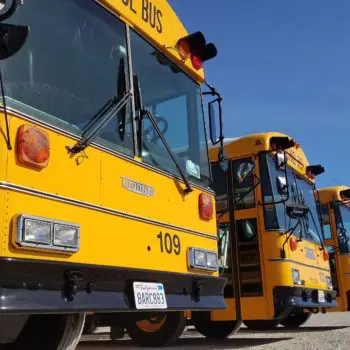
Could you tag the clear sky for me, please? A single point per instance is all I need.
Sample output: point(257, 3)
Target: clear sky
point(283, 65)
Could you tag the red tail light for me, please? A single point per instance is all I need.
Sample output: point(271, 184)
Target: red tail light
point(33, 147)
point(206, 208)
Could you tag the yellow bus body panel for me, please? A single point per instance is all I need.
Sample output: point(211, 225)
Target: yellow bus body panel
point(118, 227)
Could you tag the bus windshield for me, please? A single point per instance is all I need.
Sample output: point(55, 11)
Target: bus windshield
point(275, 199)
point(175, 101)
point(69, 68)
point(342, 214)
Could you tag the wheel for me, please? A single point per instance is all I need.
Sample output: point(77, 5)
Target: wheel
point(50, 332)
point(261, 325)
point(213, 329)
point(159, 331)
point(117, 332)
point(295, 320)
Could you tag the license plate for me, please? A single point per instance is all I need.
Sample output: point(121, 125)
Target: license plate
point(149, 296)
point(321, 297)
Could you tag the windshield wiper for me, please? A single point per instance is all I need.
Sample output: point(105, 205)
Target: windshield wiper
point(105, 114)
point(146, 113)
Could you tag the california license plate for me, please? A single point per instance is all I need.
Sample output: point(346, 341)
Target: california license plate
point(321, 297)
point(149, 296)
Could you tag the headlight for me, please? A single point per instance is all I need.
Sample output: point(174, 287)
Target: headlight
point(43, 233)
point(37, 232)
point(329, 282)
point(65, 236)
point(201, 259)
point(296, 276)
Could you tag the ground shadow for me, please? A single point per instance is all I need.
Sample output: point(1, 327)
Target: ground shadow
point(294, 330)
point(187, 343)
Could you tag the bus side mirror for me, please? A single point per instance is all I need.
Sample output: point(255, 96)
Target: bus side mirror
point(296, 211)
point(12, 39)
point(213, 121)
point(244, 171)
point(282, 185)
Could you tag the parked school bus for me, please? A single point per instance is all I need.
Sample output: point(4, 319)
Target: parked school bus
point(271, 245)
point(335, 210)
point(100, 211)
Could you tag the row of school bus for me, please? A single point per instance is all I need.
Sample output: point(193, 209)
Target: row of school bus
point(107, 194)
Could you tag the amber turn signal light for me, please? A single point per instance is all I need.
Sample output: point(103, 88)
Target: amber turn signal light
point(33, 147)
point(293, 243)
point(325, 254)
point(206, 209)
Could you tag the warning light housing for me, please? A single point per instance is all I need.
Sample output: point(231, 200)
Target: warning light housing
point(206, 208)
point(194, 46)
point(33, 147)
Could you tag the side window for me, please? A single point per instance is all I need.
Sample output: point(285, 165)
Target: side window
point(324, 209)
point(242, 188)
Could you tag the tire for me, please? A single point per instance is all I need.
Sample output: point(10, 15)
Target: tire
point(213, 329)
point(50, 332)
point(117, 332)
point(295, 320)
point(261, 325)
point(160, 331)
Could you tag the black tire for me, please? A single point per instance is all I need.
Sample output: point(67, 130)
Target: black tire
point(50, 332)
point(117, 332)
point(171, 326)
point(295, 320)
point(261, 325)
point(213, 329)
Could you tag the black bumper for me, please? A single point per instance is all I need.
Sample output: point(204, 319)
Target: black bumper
point(29, 286)
point(289, 298)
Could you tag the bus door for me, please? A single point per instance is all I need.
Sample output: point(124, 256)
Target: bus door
point(330, 243)
point(248, 238)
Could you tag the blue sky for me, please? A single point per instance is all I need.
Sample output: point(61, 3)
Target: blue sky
point(283, 65)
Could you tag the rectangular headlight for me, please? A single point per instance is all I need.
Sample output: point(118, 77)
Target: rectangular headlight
point(36, 231)
point(201, 259)
point(212, 260)
point(329, 282)
point(296, 276)
point(66, 236)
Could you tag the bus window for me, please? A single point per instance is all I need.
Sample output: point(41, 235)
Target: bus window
point(242, 189)
point(325, 221)
point(88, 44)
point(342, 216)
point(270, 215)
point(175, 100)
point(299, 191)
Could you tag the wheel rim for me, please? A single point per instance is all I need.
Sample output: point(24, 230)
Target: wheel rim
point(152, 324)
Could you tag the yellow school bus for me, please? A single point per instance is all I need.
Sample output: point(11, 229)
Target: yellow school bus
point(105, 186)
point(335, 211)
point(271, 245)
